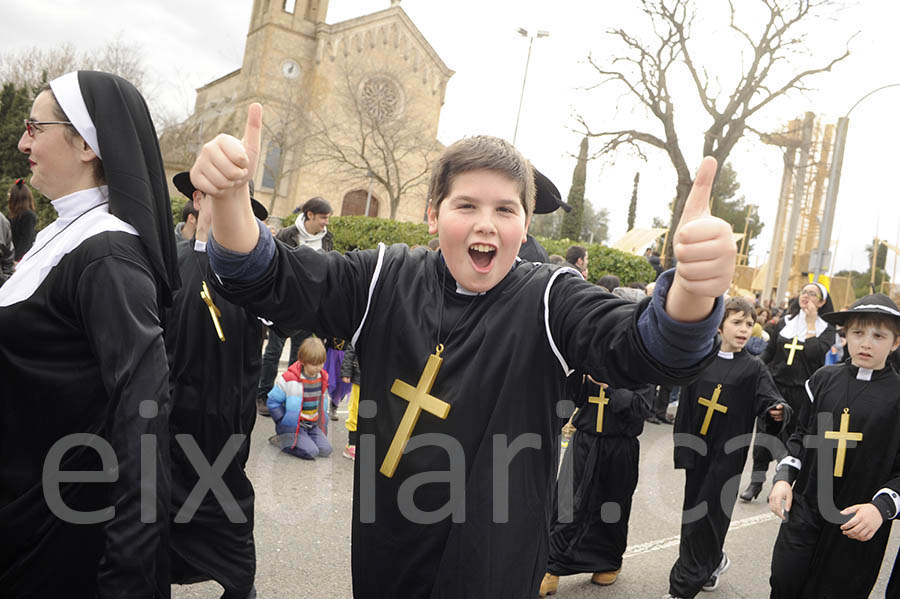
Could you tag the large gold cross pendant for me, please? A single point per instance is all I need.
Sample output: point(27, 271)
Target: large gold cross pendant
point(712, 405)
point(842, 436)
point(419, 400)
point(601, 401)
point(793, 346)
point(213, 310)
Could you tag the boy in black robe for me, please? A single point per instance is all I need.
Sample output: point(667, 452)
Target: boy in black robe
point(597, 479)
point(452, 510)
point(844, 464)
point(715, 412)
point(213, 381)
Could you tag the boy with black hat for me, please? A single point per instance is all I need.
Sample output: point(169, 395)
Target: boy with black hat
point(822, 550)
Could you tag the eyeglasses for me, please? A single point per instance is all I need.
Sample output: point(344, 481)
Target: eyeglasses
point(810, 293)
point(32, 126)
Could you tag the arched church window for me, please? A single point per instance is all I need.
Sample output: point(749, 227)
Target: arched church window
point(381, 98)
point(355, 203)
point(271, 165)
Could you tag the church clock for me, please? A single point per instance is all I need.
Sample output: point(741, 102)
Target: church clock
point(290, 69)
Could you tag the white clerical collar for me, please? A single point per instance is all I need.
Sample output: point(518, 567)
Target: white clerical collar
point(864, 374)
point(72, 206)
point(795, 326)
point(726, 355)
point(199, 246)
point(463, 291)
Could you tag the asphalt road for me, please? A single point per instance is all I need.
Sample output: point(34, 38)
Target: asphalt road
point(303, 514)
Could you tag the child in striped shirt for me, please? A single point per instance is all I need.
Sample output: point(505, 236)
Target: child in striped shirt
point(297, 404)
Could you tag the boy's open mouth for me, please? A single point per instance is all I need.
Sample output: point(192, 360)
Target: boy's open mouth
point(482, 256)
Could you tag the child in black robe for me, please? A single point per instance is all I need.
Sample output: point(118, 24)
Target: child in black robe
point(596, 482)
point(844, 464)
point(712, 430)
point(464, 430)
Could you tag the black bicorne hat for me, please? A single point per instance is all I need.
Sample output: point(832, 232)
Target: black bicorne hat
point(877, 303)
point(183, 184)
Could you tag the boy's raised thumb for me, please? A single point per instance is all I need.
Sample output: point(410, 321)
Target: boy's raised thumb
point(697, 204)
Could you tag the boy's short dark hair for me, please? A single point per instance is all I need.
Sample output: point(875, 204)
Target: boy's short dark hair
point(189, 209)
point(316, 205)
point(477, 153)
point(877, 320)
point(312, 351)
point(575, 253)
point(738, 304)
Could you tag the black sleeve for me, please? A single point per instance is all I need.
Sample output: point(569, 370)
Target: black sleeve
point(633, 404)
point(815, 348)
point(771, 347)
point(116, 301)
point(767, 397)
point(303, 289)
point(349, 364)
point(597, 333)
point(805, 426)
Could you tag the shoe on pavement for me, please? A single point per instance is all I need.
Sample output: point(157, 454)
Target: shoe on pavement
point(549, 585)
point(333, 415)
point(713, 583)
point(349, 452)
point(653, 420)
point(261, 408)
point(668, 596)
point(605, 579)
point(751, 492)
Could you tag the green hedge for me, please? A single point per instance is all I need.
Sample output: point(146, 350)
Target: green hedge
point(604, 260)
point(360, 232)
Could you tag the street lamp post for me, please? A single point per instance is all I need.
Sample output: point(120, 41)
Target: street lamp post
point(834, 180)
point(524, 33)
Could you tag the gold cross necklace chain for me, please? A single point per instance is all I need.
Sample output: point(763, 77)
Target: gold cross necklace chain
point(419, 397)
point(206, 296)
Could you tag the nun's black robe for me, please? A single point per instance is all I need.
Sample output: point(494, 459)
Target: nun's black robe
point(713, 461)
point(414, 534)
point(213, 397)
point(599, 473)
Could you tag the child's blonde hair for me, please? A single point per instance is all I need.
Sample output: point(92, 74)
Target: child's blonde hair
point(312, 351)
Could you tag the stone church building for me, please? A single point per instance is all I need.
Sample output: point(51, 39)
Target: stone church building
point(350, 109)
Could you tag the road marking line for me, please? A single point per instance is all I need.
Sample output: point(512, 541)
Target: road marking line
point(658, 544)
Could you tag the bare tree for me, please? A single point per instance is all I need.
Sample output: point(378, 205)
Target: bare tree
point(643, 70)
point(286, 125)
point(370, 135)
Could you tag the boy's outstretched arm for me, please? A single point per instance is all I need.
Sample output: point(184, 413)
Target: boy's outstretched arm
point(223, 170)
point(705, 249)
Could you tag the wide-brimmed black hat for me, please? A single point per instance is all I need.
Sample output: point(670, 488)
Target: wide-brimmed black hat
point(546, 196)
point(183, 184)
point(877, 303)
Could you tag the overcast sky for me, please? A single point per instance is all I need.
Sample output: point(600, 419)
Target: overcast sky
point(187, 43)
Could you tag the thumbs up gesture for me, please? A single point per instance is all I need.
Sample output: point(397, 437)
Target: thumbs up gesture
point(705, 249)
point(222, 170)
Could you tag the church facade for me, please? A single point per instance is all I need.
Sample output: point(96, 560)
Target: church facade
point(351, 110)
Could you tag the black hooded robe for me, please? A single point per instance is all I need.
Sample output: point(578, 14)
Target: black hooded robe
point(82, 359)
point(213, 387)
point(812, 558)
point(504, 367)
point(597, 479)
point(748, 392)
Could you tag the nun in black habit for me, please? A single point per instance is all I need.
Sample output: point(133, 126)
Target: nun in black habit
point(83, 423)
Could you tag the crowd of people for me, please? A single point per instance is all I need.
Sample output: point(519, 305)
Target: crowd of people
point(134, 373)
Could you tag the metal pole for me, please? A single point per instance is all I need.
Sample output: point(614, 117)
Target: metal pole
point(522, 94)
point(834, 183)
point(875, 248)
point(799, 184)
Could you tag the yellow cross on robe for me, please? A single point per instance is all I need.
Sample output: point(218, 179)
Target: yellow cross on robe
point(419, 400)
point(213, 310)
point(793, 346)
point(842, 436)
point(601, 401)
point(712, 405)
